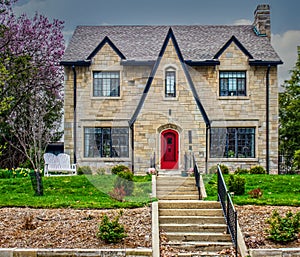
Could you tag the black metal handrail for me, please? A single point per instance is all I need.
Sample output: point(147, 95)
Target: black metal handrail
point(197, 180)
point(228, 209)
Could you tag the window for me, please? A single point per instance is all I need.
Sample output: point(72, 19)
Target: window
point(232, 143)
point(232, 83)
point(170, 84)
point(106, 142)
point(106, 83)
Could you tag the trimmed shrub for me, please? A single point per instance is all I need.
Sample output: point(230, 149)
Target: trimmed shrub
point(125, 180)
point(257, 170)
point(240, 171)
point(224, 169)
point(84, 170)
point(111, 231)
point(283, 229)
point(119, 168)
point(236, 184)
point(255, 193)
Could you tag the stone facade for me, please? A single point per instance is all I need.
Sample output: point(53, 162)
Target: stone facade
point(180, 113)
point(196, 56)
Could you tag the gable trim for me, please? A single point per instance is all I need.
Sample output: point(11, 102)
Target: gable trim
point(106, 40)
point(169, 36)
point(238, 43)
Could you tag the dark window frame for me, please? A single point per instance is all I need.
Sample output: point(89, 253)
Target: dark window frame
point(233, 142)
point(170, 83)
point(106, 142)
point(106, 83)
point(232, 83)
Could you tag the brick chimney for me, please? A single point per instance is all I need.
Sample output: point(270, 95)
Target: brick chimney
point(262, 21)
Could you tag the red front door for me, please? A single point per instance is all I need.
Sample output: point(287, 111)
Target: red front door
point(169, 149)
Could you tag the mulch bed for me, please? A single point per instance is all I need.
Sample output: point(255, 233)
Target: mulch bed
point(69, 228)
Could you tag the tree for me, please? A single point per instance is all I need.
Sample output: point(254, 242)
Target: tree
point(289, 115)
point(32, 85)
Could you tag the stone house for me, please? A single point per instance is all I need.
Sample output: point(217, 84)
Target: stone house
point(164, 95)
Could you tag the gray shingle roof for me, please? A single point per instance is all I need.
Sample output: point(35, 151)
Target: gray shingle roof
point(196, 42)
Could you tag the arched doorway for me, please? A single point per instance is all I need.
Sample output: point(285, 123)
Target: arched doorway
point(169, 149)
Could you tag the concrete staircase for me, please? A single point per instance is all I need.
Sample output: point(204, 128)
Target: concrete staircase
point(192, 226)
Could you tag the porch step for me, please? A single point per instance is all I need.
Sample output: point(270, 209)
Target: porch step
point(219, 228)
point(193, 227)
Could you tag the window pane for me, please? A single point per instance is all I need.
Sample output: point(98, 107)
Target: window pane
point(106, 142)
point(232, 143)
point(232, 83)
point(170, 87)
point(106, 83)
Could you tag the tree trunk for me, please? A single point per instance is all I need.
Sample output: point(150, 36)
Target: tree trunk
point(37, 183)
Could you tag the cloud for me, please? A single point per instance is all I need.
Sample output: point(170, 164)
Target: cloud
point(242, 22)
point(286, 46)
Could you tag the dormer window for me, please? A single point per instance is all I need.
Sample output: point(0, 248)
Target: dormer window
point(232, 83)
point(170, 83)
point(106, 83)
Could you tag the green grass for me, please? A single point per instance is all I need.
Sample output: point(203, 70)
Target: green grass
point(277, 189)
point(72, 192)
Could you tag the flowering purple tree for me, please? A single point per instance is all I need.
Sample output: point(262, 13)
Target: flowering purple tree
point(31, 50)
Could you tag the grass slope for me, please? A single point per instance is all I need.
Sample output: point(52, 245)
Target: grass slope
point(277, 189)
point(73, 192)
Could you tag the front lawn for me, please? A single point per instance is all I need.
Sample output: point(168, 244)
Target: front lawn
point(89, 191)
point(276, 189)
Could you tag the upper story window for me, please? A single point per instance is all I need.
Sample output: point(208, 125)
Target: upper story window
point(232, 83)
point(106, 83)
point(170, 83)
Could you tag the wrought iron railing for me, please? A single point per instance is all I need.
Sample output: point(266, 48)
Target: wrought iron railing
point(228, 209)
point(197, 180)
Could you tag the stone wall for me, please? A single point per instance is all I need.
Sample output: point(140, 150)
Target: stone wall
point(181, 113)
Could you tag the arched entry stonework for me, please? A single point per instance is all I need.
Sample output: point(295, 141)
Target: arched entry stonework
point(169, 147)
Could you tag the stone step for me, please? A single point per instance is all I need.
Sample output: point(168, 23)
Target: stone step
point(198, 236)
point(178, 188)
point(190, 212)
point(172, 181)
point(181, 204)
point(199, 253)
point(177, 197)
point(191, 220)
point(220, 228)
point(199, 246)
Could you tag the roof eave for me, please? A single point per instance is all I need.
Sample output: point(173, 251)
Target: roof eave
point(202, 63)
point(84, 63)
point(264, 63)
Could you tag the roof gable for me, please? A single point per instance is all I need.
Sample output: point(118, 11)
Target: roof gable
point(106, 40)
point(170, 36)
point(234, 40)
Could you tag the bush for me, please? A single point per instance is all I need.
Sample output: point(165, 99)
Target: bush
point(111, 231)
point(84, 170)
point(125, 180)
point(119, 168)
point(255, 193)
point(283, 229)
point(257, 170)
point(240, 171)
point(224, 169)
point(236, 184)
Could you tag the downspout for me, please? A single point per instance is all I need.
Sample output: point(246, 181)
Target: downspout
point(74, 111)
point(132, 147)
point(267, 120)
point(206, 150)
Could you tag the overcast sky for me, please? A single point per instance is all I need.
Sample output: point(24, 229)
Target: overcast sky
point(285, 17)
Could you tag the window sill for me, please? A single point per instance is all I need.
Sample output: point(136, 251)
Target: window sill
point(234, 159)
point(107, 159)
point(106, 97)
point(234, 98)
point(171, 98)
